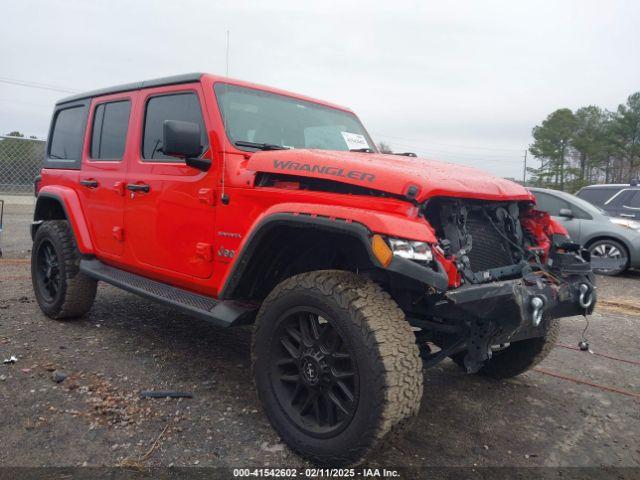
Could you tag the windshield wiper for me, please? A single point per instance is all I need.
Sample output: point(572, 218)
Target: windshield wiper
point(260, 146)
point(362, 150)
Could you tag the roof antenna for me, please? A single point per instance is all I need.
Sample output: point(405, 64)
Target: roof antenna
point(224, 198)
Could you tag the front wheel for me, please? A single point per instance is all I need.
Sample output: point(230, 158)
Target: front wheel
point(608, 248)
point(336, 365)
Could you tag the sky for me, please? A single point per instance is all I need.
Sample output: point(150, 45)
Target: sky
point(461, 81)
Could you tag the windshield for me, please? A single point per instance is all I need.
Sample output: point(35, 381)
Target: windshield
point(267, 119)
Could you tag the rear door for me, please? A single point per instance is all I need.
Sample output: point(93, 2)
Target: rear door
point(103, 173)
point(169, 214)
point(625, 204)
point(631, 206)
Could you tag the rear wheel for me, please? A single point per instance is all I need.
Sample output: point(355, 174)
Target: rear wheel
point(518, 357)
point(336, 365)
point(608, 248)
point(60, 289)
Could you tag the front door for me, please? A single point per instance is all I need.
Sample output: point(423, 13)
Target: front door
point(102, 175)
point(553, 205)
point(169, 214)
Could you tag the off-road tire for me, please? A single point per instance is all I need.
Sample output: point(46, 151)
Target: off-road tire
point(77, 291)
point(388, 362)
point(518, 357)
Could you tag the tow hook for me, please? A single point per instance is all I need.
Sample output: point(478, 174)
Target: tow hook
point(537, 304)
point(586, 296)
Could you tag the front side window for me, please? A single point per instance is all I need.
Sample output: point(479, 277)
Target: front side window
point(109, 133)
point(550, 204)
point(256, 116)
point(66, 137)
point(184, 107)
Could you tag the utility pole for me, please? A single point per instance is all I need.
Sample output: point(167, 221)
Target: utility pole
point(524, 170)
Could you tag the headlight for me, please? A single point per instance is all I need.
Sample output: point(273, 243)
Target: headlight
point(419, 251)
point(625, 222)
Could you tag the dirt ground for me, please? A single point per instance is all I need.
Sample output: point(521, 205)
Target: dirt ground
point(94, 417)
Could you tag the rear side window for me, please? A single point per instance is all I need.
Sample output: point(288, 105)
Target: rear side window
point(623, 197)
point(634, 202)
point(109, 132)
point(597, 196)
point(67, 134)
point(184, 107)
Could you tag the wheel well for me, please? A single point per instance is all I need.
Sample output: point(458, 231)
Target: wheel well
point(287, 250)
point(47, 208)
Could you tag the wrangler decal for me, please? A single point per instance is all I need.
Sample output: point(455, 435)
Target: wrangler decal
point(325, 170)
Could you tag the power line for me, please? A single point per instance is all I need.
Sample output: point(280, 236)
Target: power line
point(462, 156)
point(42, 86)
point(467, 147)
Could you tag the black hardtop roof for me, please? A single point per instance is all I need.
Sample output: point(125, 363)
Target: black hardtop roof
point(156, 82)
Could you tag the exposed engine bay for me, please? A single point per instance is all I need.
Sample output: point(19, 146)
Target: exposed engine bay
point(514, 275)
point(486, 240)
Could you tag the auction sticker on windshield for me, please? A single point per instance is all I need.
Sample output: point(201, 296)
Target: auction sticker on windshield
point(355, 141)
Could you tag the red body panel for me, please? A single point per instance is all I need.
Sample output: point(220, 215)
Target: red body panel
point(175, 232)
point(73, 208)
point(391, 173)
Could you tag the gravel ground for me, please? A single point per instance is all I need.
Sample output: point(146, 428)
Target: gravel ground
point(126, 344)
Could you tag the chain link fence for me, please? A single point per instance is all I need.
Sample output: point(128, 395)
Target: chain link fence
point(20, 162)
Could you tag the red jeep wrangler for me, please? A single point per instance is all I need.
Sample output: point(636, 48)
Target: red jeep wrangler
point(243, 204)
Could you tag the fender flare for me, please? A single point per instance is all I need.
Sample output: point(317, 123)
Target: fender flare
point(70, 203)
point(359, 223)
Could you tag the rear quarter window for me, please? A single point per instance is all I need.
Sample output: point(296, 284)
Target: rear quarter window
point(66, 137)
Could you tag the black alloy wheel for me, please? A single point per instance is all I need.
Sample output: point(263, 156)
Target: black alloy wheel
point(61, 290)
point(336, 366)
point(48, 271)
point(314, 376)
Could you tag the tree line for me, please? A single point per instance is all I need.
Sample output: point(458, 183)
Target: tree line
point(590, 145)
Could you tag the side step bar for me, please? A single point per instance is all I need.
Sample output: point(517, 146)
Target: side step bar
point(223, 313)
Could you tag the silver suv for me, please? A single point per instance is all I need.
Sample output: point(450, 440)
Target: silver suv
point(620, 200)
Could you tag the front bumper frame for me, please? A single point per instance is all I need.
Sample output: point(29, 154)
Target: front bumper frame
point(503, 312)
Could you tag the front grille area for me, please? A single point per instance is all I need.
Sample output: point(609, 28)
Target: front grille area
point(489, 249)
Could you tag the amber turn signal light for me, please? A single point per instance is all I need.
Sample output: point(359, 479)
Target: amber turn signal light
point(381, 250)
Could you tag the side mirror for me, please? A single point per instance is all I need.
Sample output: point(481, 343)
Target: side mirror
point(565, 212)
point(182, 140)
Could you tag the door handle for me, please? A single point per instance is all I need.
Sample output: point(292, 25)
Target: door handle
point(89, 183)
point(138, 187)
point(628, 215)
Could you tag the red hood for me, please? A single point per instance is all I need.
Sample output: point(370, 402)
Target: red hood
point(390, 173)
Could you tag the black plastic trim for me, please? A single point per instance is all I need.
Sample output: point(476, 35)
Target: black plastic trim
point(400, 266)
point(221, 314)
point(424, 274)
point(156, 82)
point(37, 222)
point(296, 220)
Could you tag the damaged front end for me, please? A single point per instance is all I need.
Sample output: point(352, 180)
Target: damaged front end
point(511, 271)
